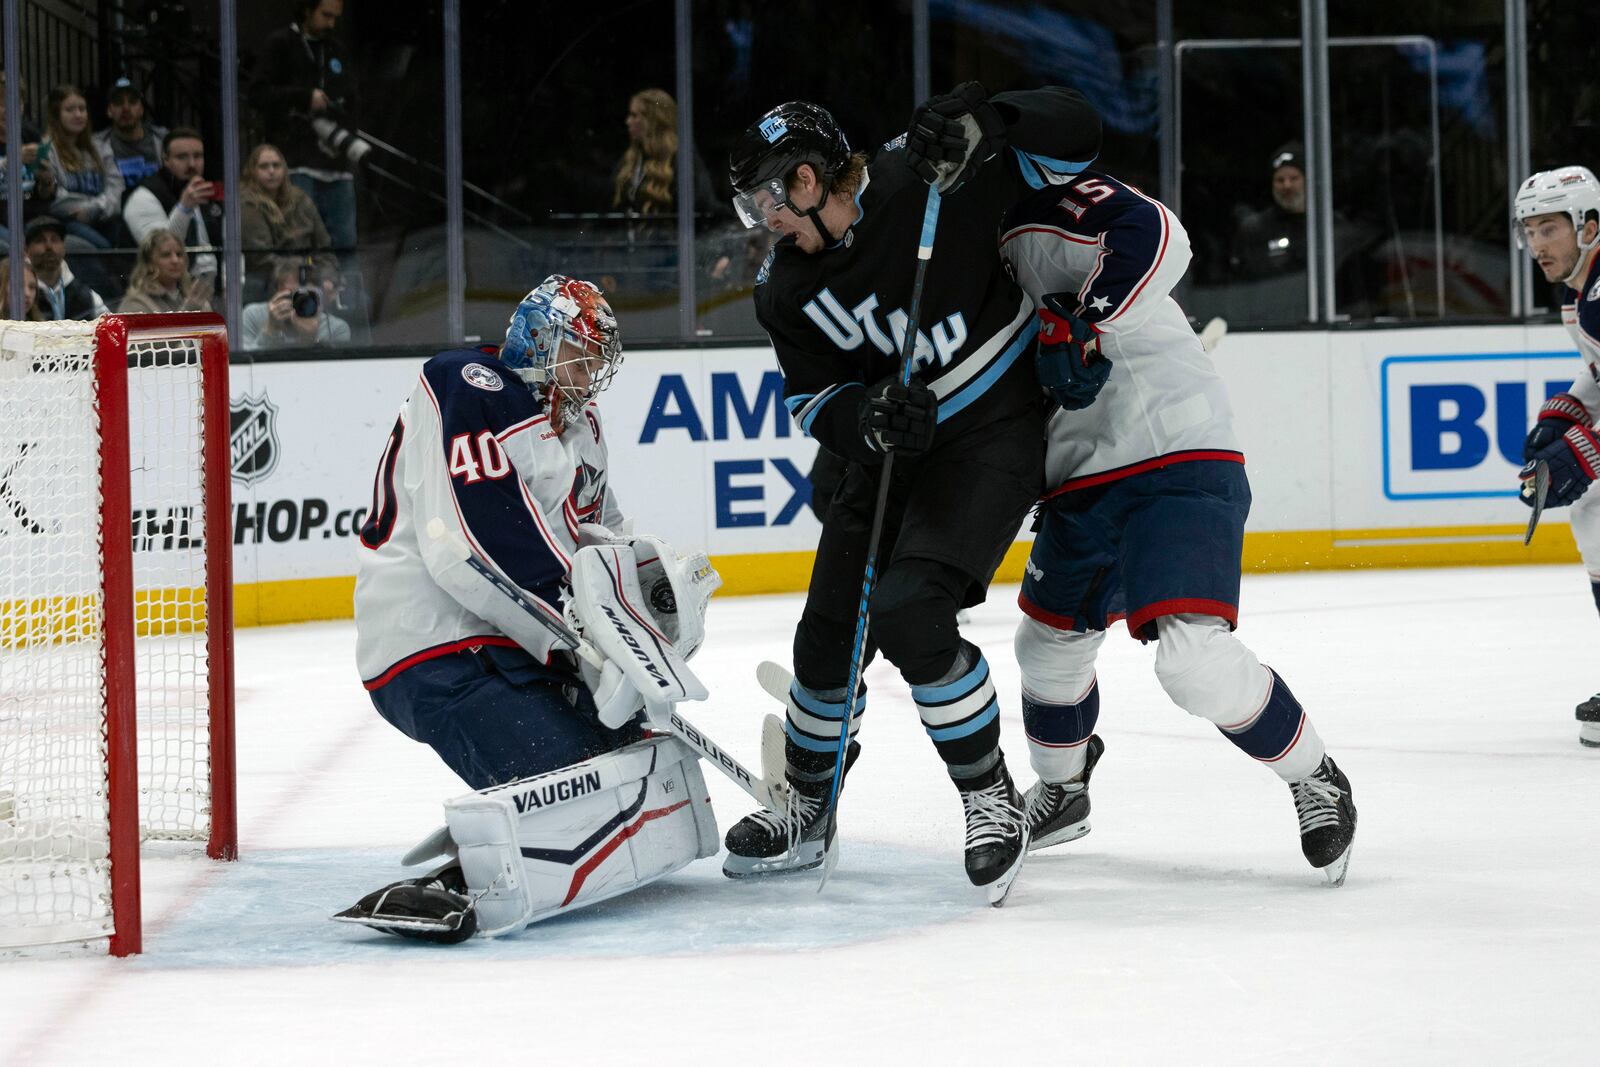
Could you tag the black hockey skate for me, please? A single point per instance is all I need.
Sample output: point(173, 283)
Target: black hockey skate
point(1060, 813)
point(997, 831)
point(1327, 812)
point(787, 842)
point(435, 908)
point(1589, 722)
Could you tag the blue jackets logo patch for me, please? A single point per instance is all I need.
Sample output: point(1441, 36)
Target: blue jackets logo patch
point(478, 375)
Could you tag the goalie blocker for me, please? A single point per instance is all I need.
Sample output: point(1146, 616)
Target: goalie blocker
point(546, 845)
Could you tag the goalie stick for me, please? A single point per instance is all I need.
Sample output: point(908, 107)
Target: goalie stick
point(769, 794)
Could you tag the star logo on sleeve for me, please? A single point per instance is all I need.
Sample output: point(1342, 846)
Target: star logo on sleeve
point(1099, 303)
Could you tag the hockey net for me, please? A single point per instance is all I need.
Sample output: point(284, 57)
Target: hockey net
point(115, 615)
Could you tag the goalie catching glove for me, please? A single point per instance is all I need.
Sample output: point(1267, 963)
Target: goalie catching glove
point(643, 609)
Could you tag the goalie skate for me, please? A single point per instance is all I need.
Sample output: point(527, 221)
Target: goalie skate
point(1327, 813)
point(434, 908)
point(1589, 722)
point(1059, 812)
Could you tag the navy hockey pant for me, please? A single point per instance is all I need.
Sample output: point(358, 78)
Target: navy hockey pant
point(492, 723)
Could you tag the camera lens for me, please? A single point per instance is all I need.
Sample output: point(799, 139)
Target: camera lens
point(306, 302)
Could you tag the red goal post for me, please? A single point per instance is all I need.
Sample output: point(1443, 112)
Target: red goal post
point(116, 616)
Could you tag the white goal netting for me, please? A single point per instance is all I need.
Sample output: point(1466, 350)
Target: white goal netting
point(54, 667)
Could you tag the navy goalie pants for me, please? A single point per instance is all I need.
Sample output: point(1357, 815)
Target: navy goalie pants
point(494, 715)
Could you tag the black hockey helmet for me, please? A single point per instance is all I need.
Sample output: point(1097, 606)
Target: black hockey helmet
point(766, 153)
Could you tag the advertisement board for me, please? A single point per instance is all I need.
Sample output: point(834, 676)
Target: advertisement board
point(1382, 447)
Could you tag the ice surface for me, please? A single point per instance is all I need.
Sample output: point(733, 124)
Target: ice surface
point(1186, 928)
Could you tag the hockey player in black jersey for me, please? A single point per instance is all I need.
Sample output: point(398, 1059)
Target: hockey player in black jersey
point(967, 431)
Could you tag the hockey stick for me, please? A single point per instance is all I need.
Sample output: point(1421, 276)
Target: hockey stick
point(769, 795)
point(1541, 490)
point(908, 348)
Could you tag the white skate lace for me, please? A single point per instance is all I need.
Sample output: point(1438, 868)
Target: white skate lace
point(1316, 802)
point(991, 817)
point(1047, 798)
point(788, 823)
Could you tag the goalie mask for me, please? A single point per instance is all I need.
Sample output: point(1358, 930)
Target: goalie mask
point(1571, 191)
point(563, 339)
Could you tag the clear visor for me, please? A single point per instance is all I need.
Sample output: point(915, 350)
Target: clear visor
point(1518, 236)
point(757, 206)
point(1520, 227)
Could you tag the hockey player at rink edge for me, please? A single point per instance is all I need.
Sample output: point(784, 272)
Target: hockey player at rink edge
point(573, 803)
point(1144, 515)
point(966, 433)
point(1556, 216)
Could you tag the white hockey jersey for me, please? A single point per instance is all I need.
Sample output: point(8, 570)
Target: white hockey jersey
point(473, 447)
point(1116, 254)
point(1580, 314)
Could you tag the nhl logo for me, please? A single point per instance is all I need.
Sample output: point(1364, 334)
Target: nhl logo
point(253, 438)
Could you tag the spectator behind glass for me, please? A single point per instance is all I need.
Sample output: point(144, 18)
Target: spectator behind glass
point(177, 198)
point(160, 283)
point(60, 294)
point(306, 92)
point(38, 180)
point(133, 144)
point(30, 293)
point(282, 322)
point(89, 199)
point(277, 217)
point(1272, 241)
point(645, 183)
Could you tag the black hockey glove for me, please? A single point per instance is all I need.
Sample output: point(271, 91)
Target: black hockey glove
point(951, 136)
point(1558, 413)
point(1574, 460)
point(1069, 362)
point(899, 418)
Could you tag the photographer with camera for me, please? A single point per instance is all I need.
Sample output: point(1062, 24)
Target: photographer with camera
point(306, 93)
point(297, 314)
point(178, 198)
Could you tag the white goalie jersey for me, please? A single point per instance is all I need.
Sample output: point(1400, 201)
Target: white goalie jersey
point(473, 447)
point(1116, 254)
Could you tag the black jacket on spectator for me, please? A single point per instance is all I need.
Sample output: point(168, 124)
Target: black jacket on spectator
point(291, 66)
point(168, 192)
point(79, 301)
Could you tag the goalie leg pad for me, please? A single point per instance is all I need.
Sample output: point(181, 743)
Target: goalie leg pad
point(551, 844)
